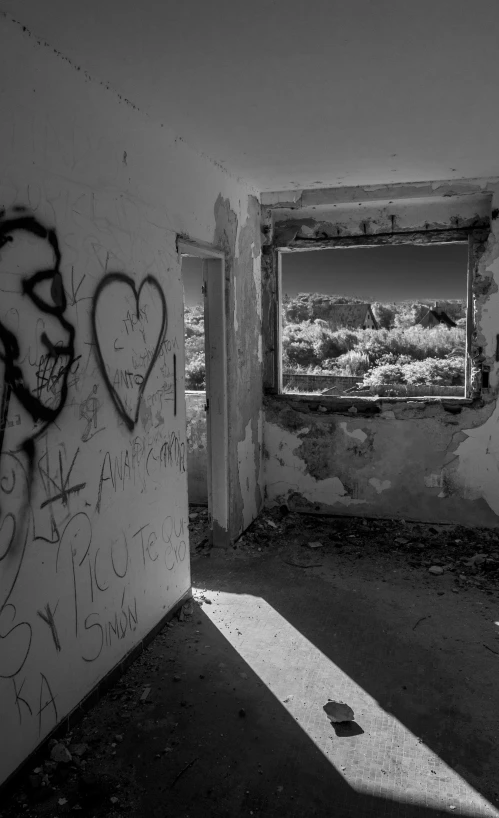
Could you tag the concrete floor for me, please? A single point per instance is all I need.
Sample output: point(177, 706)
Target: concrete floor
point(234, 725)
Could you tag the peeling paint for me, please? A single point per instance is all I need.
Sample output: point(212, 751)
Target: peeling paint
point(358, 434)
point(434, 480)
point(239, 237)
point(380, 485)
point(476, 466)
point(236, 323)
point(294, 476)
point(247, 475)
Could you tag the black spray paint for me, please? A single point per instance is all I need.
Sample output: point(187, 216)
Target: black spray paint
point(121, 278)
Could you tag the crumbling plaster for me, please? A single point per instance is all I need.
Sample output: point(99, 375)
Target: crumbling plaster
point(240, 241)
point(415, 459)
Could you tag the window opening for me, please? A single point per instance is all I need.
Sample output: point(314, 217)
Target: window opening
point(386, 321)
point(195, 369)
point(195, 381)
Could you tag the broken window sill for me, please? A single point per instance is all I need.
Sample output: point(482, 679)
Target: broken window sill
point(371, 405)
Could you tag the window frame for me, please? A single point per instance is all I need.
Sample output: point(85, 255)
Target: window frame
point(474, 236)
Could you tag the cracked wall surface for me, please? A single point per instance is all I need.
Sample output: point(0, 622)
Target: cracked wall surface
point(427, 460)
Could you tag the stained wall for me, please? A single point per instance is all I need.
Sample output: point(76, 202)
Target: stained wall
point(435, 460)
point(94, 546)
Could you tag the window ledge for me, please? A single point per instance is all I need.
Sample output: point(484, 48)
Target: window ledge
point(342, 403)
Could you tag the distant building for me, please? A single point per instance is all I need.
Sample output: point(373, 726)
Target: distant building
point(351, 316)
point(435, 317)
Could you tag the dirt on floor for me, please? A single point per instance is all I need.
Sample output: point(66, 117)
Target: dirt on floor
point(190, 730)
point(468, 557)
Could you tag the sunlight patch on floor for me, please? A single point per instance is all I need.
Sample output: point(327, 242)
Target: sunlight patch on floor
point(386, 759)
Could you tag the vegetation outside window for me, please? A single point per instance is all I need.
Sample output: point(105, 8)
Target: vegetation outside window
point(386, 321)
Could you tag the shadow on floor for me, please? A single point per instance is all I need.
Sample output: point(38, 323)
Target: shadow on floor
point(211, 740)
point(423, 690)
point(228, 762)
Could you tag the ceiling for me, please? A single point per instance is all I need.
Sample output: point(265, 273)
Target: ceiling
point(294, 94)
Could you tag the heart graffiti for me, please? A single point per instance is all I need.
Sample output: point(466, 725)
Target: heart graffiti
point(129, 326)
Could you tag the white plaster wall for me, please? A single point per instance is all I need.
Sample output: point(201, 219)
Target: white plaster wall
point(411, 460)
point(93, 527)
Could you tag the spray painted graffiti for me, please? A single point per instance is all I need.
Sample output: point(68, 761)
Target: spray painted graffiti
point(70, 588)
point(140, 326)
point(36, 361)
point(42, 392)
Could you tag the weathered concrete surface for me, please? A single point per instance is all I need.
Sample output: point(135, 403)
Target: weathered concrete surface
point(240, 241)
point(416, 462)
point(197, 450)
point(410, 459)
point(407, 462)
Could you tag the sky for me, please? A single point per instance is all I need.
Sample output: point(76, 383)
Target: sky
point(389, 273)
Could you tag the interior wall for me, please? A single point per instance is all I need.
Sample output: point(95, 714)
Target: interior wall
point(94, 545)
point(431, 460)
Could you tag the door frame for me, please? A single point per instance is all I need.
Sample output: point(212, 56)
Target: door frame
point(216, 385)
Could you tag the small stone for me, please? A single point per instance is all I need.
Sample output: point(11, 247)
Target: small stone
point(401, 540)
point(315, 545)
point(60, 754)
point(353, 410)
point(338, 712)
point(78, 749)
point(114, 799)
point(436, 569)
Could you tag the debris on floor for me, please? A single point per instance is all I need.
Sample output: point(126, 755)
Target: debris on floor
point(159, 731)
point(469, 557)
point(338, 712)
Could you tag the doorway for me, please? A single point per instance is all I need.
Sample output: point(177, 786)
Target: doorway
point(210, 412)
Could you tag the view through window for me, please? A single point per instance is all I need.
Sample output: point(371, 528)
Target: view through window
point(387, 320)
point(192, 276)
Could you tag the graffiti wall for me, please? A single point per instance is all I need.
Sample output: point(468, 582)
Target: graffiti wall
point(93, 528)
point(94, 547)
